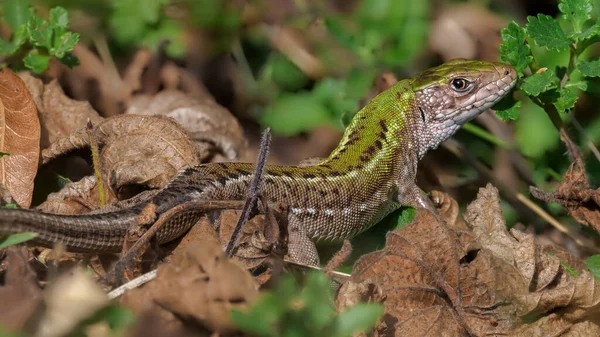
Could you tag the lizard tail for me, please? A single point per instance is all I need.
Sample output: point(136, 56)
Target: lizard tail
point(99, 233)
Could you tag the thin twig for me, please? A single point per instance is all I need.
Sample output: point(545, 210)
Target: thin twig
point(590, 144)
point(253, 191)
point(136, 282)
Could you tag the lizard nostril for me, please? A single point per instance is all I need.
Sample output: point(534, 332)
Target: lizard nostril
point(506, 72)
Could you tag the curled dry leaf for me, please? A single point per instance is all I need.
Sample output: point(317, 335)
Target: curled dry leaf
point(445, 281)
point(200, 285)
point(576, 195)
point(216, 134)
point(144, 150)
point(19, 137)
point(59, 115)
point(74, 198)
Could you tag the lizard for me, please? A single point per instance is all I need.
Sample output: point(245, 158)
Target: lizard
point(371, 173)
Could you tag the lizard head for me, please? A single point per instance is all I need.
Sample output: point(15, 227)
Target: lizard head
point(452, 94)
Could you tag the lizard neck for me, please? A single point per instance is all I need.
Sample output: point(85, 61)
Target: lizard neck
point(384, 134)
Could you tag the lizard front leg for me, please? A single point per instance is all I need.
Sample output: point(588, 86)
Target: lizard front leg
point(301, 248)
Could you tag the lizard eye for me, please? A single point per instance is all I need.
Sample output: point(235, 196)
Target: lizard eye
point(460, 84)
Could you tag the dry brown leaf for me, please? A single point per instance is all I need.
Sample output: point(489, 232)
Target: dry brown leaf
point(144, 150)
point(200, 285)
point(445, 281)
point(59, 115)
point(576, 195)
point(212, 128)
point(19, 136)
point(20, 295)
point(74, 198)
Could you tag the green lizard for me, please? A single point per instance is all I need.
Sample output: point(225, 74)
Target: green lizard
point(370, 174)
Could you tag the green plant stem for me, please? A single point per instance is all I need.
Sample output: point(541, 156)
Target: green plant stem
point(483, 134)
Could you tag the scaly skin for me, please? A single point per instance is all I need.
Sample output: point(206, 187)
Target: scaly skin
point(370, 174)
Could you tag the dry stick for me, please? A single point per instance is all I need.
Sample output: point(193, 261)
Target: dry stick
point(253, 191)
point(89, 129)
point(458, 150)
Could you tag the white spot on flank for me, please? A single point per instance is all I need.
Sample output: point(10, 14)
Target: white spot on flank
point(297, 210)
point(347, 210)
point(328, 211)
point(311, 211)
point(363, 207)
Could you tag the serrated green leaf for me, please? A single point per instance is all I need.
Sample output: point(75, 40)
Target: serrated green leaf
point(16, 13)
point(593, 264)
point(513, 49)
point(59, 17)
point(36, 62)
point(292, 114)
point(356, 319)
point(589, 33)
point(589, 68)
point(576, 11)
point(567, 97)
point(63, 44)
point(15, 239)
point(508, 108)
point(537, 83)
point(40, 34)
point(546, 32)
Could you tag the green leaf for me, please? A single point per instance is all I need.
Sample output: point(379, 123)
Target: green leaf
point(576, 11)
point(316, 298)
point(589, 68)
point(286, 74)
point(63, 44)
point(16, 13)
point(11, 206)
point(546, 32)
point(567, 97)
point(292, 114)
point(537, 83)
point(40, 34)
point(59, 17)
point(36, 62)
point(169, 30)
point(131, 19)
point(15, 239)
point(508, 108)
point(357, 319)
point(513, 49)
point(593, 264)
point(406, 216)
point(69, 60)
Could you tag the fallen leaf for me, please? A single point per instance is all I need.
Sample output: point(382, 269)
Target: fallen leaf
point(440, 280)
point(19, 137)
point(212, 128)
point(141, 150)
point(199, 286)
point(59, 115)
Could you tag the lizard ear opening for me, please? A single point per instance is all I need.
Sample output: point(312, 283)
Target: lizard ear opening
point(422, 114)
